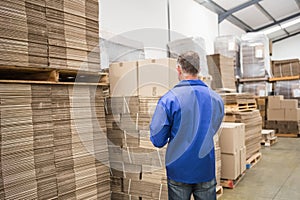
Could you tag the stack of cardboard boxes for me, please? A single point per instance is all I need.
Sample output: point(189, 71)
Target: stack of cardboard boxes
point(146, 78)
point(283, 114)
point(233, 150)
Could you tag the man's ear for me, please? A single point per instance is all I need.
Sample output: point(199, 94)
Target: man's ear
point(179, 70)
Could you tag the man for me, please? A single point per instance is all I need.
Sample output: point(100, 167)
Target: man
point(187, 117)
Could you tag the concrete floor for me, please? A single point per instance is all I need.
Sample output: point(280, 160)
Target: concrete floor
point(276, 176)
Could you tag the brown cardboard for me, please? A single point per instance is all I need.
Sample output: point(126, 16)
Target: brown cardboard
point(243, 159)
point(276, 114)
point(289, 103)
point(274, 101)
point(123, 79)
point(154, 76)
point(292, 114)
point(232, 137)
point(230, 167)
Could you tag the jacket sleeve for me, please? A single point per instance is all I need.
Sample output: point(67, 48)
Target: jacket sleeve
point(160, 126)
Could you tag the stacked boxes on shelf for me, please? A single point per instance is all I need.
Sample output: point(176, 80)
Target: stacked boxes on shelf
point(283, 115)
point(290, 89)
point(255, 64)
point(286, 68)
point(53, 142)
point(233, 150)
point(255, 59)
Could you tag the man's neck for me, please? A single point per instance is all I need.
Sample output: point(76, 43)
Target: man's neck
point(189, 77)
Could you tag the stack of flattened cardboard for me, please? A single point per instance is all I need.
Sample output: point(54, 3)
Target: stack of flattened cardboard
point(221, 69)
point(14, 33)
point(55, 136)
point(137, 167)
point(18, 173)
point(55, 34)
point(37, 33)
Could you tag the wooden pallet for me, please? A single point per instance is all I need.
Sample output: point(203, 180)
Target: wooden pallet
point(13, 74)
point(219, 191)
point(288, 135)
point(269, 142)
point(240, 107)
point(253, 160)
point(227, 183)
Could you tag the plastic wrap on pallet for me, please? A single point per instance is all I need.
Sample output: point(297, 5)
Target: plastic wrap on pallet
point(229, 46)
point(289, 89)
point(120, 49)
point(196, 44)
point(254, 55)
point(262, 88)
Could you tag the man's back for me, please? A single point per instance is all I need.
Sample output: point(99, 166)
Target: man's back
point(192, 114)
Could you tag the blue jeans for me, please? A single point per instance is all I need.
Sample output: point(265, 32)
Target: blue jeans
point(200, 191)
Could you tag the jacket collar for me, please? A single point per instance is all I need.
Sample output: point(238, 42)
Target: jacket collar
point(190, 83)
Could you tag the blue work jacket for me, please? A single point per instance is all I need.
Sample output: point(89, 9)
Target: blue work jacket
point(187, 117)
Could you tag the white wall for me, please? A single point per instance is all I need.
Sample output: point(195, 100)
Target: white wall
point(140, 20)
point(287, 49)
point(227, 28)
point(147, 21)
point(191, 19)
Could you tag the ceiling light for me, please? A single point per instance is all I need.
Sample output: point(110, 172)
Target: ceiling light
point(291, 23)
point(272, 30)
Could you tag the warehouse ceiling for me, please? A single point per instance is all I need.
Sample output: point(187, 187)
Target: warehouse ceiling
point(278, 19)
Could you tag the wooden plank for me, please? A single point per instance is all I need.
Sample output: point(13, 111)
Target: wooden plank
point(253, 79)
point(287, 78)
point(289, 135)
point(52, 83)
point(231, 184)
point(253, 160)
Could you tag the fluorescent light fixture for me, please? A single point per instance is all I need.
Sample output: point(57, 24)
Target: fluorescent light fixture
point(281, 26)
point(291, 23)
point(272, 30)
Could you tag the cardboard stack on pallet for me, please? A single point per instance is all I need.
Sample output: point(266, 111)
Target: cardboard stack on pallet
point(221, 69)
point(53, 144)
point(233, 150)
point(289, 89)
point(55, 34)
point(229, 46)
point(241, 108)
point(283, 115)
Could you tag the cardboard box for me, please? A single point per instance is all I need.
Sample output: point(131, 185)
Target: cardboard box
point(154, 76)
point(243, 159)
point(230, 167)
point(274, 101)
point(232, 137)
point(123, 79)
point(233, 164)
point(292, 114)
point(289, 103)
point(276, 114)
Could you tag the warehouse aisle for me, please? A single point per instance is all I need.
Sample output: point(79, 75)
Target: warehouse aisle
point(276, 176)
